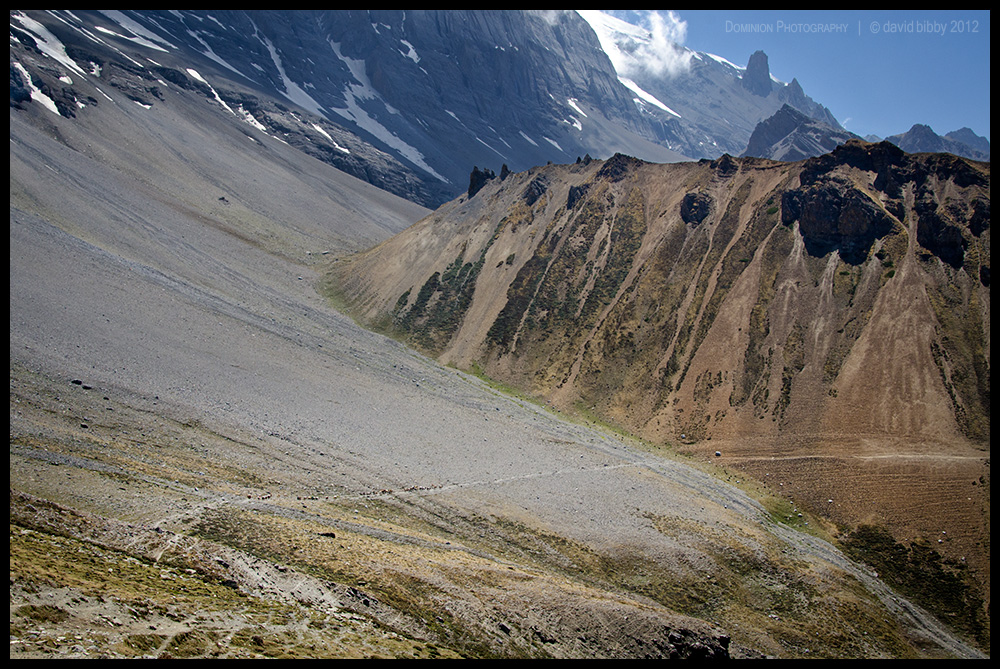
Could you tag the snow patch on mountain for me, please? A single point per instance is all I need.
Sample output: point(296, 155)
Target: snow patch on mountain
point(293, 91)
point(217, 22)
point(572, 102)
point(553, 143)
point(36, 94)
point(137, 40)
point(196, 75)
point(363, 90)
point(491, 148)
point(643, 96)
point(249, 118)
point(723, 61)
point(208, 52)
point(47, 43)
point(140, 36)
point(318, 128)
point(411, 53)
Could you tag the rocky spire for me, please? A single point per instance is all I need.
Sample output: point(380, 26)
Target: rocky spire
point(757, 78)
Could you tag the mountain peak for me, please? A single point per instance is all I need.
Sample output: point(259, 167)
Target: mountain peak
point(757, 78)
point(792, 135)
point(922, 139)
point(922, 129)
point(971, 139)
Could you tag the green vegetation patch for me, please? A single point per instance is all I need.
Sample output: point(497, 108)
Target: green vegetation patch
point(941, 585)
point(441, 302)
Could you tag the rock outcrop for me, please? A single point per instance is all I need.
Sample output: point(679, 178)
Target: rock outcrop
point(479, 178)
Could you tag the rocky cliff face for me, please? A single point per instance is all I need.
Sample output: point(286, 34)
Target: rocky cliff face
point(815, 311)
point(406, 100)
point(55, 64)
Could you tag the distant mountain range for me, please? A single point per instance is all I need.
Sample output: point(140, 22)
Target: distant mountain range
point(703, 105)
point(963, 142)
point(790, 135)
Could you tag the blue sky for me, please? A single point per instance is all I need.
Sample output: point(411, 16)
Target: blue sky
point(885, 72)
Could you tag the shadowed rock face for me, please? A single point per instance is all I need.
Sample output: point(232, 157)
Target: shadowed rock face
point(695, 207)
point(478, 179)
point(407, 100)
point(832, 215)
point(887, 161)
point(945, 228)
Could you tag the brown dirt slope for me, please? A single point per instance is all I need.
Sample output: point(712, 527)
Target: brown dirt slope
point(822, 323)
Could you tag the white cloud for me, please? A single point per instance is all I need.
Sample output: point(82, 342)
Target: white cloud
point(656, 49)
point(663, 54)
point(551, 16)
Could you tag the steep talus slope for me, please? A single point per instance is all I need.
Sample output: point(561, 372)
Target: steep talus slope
point(824, 324)
point(180, 394)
